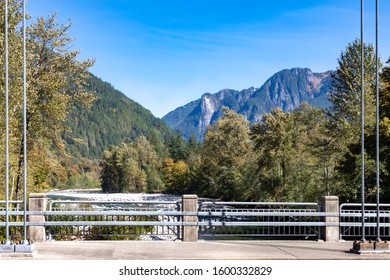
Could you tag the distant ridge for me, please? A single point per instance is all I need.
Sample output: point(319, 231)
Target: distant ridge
point(285, 89)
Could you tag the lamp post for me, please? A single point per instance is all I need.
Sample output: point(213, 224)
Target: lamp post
point(378, 246)
point(7, 240)
point(24, 247)
point(362, 111)
point(25, 242)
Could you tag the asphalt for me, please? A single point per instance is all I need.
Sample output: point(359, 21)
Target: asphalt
point(201, 250)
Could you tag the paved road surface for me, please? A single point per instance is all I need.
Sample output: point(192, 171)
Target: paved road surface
point(202, 250)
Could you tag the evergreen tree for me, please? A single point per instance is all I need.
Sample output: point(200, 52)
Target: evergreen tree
point(385, 133)
point(177, 147)
point(345, 121)
point(345, 91)
point(131, 167)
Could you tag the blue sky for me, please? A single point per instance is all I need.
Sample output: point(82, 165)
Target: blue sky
point(166, 53)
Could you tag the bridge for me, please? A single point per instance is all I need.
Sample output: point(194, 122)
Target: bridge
point(190, 219)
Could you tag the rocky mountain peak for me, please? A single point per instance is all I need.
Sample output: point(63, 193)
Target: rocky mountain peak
point(286, 89)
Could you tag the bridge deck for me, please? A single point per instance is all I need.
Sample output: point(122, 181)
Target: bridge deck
point(202, 250)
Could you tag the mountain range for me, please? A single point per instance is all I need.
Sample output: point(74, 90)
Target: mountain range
point(114, 118)
point(286, 89)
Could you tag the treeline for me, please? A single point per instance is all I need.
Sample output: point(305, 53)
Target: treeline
point(287, 156)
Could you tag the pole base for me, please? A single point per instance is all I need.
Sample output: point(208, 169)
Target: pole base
point(382, 246)
point(4, 249)
point(369, 247)
point(24, 248)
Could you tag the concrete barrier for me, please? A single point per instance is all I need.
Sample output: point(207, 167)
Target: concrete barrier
point(330, 205)
point(190, 204)
point(37, 202)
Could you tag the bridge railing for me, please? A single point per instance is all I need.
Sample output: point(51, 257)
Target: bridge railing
point(351, 221)
point(113, 219)
point(190, 219)
point(15, 232)
point(260, 219)
point(100, 220)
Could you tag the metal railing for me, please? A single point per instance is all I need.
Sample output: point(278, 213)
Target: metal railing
point(113, 220)
point(164, 220)
point(15, 231)
point(103, 220)
point(260, 219)
point(351, 220)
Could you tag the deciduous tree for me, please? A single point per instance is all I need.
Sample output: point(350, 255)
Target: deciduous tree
point(224, 153)
point(55, 78)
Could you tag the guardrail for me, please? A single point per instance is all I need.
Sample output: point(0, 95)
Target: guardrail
point(254, 219)
point(104, 219)
point(15, 217)
point(113, 219)
point(190, 219)
point(351, 220)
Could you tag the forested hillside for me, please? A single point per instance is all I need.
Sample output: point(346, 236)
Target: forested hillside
point(112, 119)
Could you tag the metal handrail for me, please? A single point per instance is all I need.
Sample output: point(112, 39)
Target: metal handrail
point(262, 203)
point(11, 201)
point(359, 205)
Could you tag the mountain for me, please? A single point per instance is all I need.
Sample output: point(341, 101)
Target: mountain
point(112, 119)
point(285, 89)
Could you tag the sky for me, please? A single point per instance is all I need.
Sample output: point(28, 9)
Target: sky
point(166, 53)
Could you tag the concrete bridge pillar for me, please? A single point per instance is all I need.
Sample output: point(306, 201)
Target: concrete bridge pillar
point(190, 204)
point(37, 202)
point(330, 206)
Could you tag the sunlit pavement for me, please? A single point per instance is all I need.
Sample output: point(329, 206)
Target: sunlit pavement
point(201, 250)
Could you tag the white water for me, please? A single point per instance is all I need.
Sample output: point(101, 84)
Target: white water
point(98, 195)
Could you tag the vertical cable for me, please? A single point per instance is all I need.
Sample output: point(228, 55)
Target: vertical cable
point(6, 123)
point(362, 111)
point(24, 125)
point(377, 116)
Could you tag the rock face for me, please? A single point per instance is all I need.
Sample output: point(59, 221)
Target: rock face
point(285, 89)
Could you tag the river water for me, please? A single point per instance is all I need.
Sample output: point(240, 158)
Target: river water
point(98, 195)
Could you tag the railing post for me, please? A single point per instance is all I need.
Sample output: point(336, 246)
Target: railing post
point(37, 202)
point(330, 205)
point(190, 204)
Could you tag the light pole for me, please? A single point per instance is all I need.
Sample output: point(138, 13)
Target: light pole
point(24, 247)
point(362, 111)
point(377, 117)
point(25, 242)
point(7, 240)
point(378, 246)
